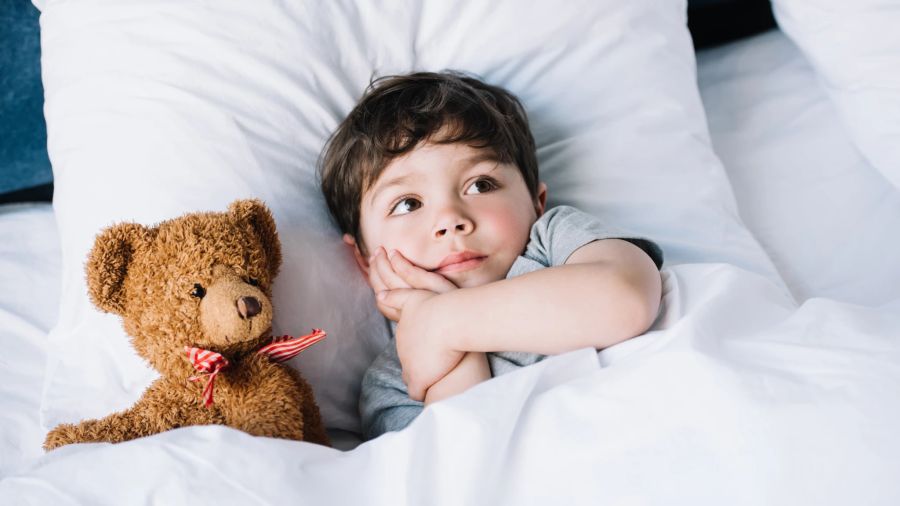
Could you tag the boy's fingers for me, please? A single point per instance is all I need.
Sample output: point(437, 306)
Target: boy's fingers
point(375, 280)
point(395, 298)
point(390, 313)
point(386, 272)
point(417, 277)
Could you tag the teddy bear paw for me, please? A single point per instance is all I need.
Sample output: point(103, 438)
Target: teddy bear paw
point(61, 435)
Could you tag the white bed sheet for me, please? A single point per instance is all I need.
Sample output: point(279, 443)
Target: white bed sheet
point(741, 396)
point(29, 277)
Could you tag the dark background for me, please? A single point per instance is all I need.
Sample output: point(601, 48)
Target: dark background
point(715, 22)
point(25, 174)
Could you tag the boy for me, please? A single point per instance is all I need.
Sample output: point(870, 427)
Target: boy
point(433, 180)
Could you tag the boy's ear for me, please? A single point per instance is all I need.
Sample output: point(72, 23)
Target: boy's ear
point(361, 261)
point(541, 201)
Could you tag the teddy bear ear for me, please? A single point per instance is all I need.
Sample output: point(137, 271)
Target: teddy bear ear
point(108, 262)
point(257, 216)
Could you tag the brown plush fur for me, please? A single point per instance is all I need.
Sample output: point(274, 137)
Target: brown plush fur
point(146, 275)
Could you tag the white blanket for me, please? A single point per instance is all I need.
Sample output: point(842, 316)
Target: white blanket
point(743, 398)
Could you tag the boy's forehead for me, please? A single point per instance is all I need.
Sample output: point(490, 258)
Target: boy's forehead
point(429, 156)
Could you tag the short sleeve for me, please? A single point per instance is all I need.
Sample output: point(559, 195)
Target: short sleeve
point(384, 403)
point(564, 229)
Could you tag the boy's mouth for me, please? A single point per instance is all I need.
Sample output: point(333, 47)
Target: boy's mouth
point(458, 262)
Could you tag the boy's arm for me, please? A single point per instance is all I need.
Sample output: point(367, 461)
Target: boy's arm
point(473, 368)
point(607, 292)
point(470, 371)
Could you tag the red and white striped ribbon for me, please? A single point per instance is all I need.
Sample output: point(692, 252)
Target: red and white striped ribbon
point(286, 347)
point(210, 363)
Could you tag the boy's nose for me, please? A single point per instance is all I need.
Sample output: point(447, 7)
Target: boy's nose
point(459, 226)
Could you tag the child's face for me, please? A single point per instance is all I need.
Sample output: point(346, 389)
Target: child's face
point(452, 209)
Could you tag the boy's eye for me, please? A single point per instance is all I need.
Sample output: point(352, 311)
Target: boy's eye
point(406, 205)
point(481, 186)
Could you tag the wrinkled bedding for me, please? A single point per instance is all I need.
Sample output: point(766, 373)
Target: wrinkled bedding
point(740, 396)
point(741, 393)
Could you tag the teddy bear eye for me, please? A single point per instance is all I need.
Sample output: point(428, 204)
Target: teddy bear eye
point(198, 291)
point(253, 281)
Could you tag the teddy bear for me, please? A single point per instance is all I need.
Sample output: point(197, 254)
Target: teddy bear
point(195, 296)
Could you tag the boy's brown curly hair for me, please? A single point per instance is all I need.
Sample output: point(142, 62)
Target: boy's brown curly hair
point(397, 113)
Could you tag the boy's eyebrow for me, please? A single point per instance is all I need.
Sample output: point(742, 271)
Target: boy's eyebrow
point(397, 181)
point(485, 156)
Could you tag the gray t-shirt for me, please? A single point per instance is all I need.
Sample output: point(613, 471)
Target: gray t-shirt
point(384, 403)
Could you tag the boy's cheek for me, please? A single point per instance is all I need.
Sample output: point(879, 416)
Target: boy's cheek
point(411, 252)
point(511, 230)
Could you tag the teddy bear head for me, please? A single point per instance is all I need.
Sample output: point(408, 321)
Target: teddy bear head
point(202, 280)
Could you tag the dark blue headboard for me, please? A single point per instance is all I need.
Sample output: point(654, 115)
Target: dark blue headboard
point(24, 166)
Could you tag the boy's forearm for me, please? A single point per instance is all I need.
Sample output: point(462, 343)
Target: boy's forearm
point(548, 311)
point(472, 369)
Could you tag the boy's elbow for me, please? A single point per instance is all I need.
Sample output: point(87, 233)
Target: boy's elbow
point(648, 310)
point(638, 304)
point(645, 295)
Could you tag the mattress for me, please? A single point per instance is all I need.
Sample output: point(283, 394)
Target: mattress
point(805, 388)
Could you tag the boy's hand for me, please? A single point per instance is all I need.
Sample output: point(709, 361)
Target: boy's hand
point(395, 272)
point(403, 289)
point(424, 357)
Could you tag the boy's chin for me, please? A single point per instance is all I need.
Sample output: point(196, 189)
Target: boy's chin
point(473, 279)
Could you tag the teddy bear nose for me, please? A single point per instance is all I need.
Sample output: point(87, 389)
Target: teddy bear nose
point(248, 307)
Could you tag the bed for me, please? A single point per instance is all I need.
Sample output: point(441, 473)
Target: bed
point(772, 375)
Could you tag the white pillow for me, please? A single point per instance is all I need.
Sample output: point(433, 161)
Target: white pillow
point(855, 48)
point(158, 108)
point(802, 186)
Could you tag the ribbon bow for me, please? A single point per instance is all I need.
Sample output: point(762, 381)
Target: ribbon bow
point(281, 349)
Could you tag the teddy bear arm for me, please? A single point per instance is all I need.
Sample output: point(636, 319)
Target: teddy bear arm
point(161, 408)
point(115, 428)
